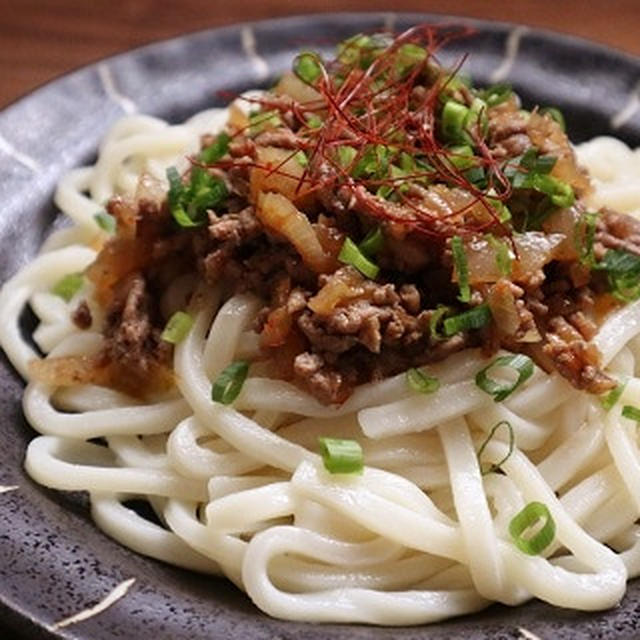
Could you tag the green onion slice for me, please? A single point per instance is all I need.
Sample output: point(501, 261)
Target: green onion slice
point(502, 254)
point(475, 318)
point(559, 192)
point(461, 156)
point(346, 155)
point(462, 268)
point(453, 120)
point(261, 120)
point(351, 254)
point(609, 401)
point(496, 94)
point(496, 466)
point(216, 150)
point(372, 242)
point(523, 365)
point(623, 272)
point(408, 56)
point(229, 383)
point(555, 114)
point(188, 203)
point(105, 221)
point(632, 413)
point(176, 197)
point(313, 121)
point(68, 286)
point(521, 170)
point(301, 158)
point(419, 381)
point(177, 327)
point(307, 67)
point(435, 320)
point(341, 456)
point(374, 162)
point(531, 515)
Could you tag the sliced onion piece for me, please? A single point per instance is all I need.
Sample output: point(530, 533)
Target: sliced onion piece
point(279, 214)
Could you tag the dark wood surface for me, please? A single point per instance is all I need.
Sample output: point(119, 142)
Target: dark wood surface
point(41, 39)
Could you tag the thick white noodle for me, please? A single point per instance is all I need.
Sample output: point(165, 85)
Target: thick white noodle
point(421, 535)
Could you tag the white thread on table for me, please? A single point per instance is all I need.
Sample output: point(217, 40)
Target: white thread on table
point(5, 488)
point(510, 54)
point(250, 49)
point(18, 156)
point(629, 110)
point(525, 634)
point(112, 91)
point(111, 598)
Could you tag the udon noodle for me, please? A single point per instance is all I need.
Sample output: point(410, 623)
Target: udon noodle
point(241, 491)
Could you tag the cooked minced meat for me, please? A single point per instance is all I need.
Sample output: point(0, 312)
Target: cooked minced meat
point(368, 209)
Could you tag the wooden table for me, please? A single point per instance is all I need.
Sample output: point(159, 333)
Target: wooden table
point(40, 39)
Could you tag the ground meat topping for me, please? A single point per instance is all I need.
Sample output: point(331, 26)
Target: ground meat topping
point(479, 211)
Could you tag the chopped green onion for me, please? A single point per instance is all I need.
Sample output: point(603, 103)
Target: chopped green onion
point(462, 268)
point(632, 413)
point(434, 321)
point(521, 170)
point(301, 158)
point(544, 164)
point(351, 254)
point(559, 192)
point(407, 162)
point(454, 115)
point(346, 155)
point(374, 162)
point(105, 221)
point(522, 364)
point(384, 191)
point(372, 242)
point(229, 383)
point(555, 114)
point(419, 381)
point(216, 150)
point(623, 272)
point(176, 198)
point(362, 50)
point(502, 254)
point(341, 456)
point(478, 177)
point(504, 213)
point(461, 156)
point(531, 515)
point(409, 55)
point(262, 120)
point(313, 121)
point(475, 318)
point(613, 396)
point(188, 203)
point(307, 67)
point(177, 327)
point(350, 50)
point(496, 94)
point(496, 466)
point(68, 286)
point(457, 80)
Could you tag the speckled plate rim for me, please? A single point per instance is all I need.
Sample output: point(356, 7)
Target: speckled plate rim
point(53, 561)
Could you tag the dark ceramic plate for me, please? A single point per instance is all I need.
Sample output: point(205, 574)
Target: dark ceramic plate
point(53, 561)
